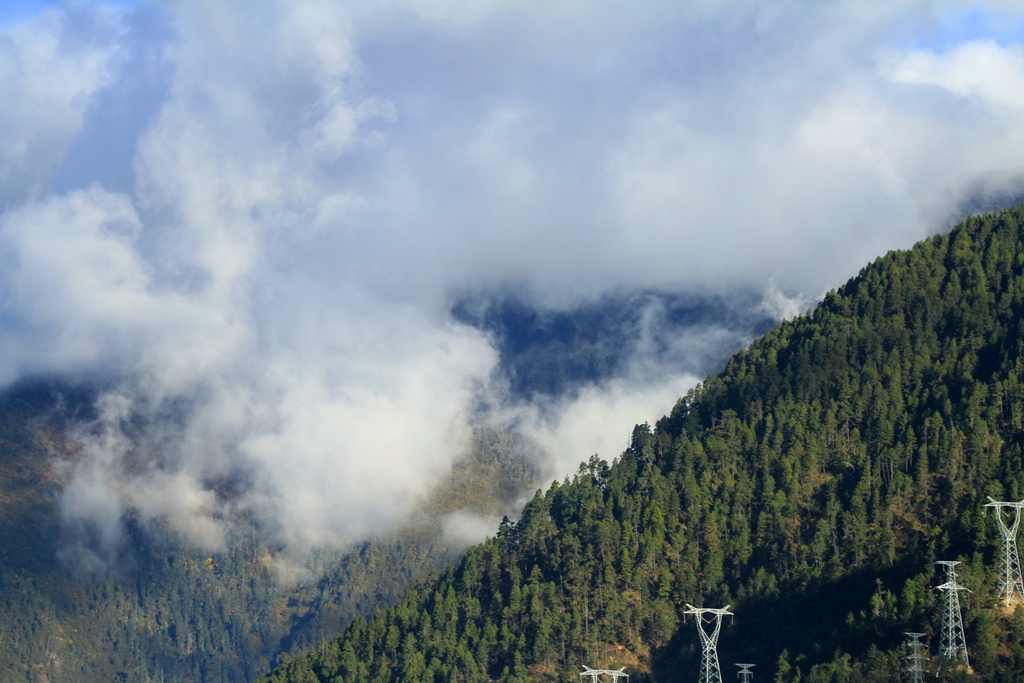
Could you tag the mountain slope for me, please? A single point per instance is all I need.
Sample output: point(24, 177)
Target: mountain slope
point(810, 485)
point(167, 612)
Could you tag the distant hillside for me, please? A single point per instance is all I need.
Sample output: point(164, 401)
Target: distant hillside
point(167, 612)
point(170, 613)
point(810, 485)
point(549, 353)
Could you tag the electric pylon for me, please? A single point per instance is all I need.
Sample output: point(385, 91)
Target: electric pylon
point(952, 644)
point(595, 674)
point(1010, 579)
point(709, 669)
point(915, 658)
point(745, 674)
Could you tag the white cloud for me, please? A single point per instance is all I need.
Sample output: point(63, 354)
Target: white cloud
point(782, 307)
point(50, 67)
point(337, 409)
point(982, 70)
point(598, 421)
point(461, 528)
point(310, 181)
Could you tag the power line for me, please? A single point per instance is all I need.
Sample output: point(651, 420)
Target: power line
point(710, 672)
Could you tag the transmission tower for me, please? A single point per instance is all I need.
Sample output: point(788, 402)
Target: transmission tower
point(709, 669)
point(597, 673)
point(916, 657)
point(745, 674)
point(952, 644)
point(1010, 580)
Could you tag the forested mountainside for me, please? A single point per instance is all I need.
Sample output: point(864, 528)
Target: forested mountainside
point(810, 485)
point(166, 612)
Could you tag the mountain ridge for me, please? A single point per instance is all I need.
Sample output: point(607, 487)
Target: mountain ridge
point(820, 473)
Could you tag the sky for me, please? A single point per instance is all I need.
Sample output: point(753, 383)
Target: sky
point(250, 221)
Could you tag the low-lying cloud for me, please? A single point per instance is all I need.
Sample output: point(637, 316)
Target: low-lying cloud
point(599, 421)
point(251, 221)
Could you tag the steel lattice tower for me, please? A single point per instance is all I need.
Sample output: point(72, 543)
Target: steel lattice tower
point(1010, 579)
point(745, 674)
point(597, 673)
point(710, 672)
point(915, 658)
point(952, 644)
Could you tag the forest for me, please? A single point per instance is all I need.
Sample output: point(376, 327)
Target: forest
point(163, 610)
point(811, 485)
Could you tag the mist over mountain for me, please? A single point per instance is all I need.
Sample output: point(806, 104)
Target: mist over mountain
point(811, 485)
point(547, 353)
point(303, 254)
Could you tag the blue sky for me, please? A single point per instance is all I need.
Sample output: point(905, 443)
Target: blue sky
point(971, 23)
point(13, 12)
point(264, 211)
point(20, 10)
